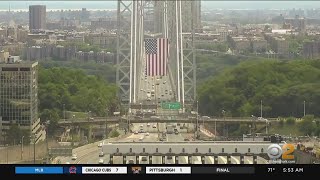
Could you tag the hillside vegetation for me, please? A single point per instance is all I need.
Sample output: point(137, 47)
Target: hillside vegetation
point(282, 86)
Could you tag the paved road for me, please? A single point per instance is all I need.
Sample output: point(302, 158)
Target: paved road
point(90, 153)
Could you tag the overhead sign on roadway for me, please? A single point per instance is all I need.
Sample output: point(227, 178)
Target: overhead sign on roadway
point(171, 105)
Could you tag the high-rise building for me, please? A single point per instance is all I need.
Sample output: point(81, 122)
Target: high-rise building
point(37, 17)
point(19, 98)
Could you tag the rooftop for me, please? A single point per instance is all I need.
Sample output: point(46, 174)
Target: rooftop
point(19, 64)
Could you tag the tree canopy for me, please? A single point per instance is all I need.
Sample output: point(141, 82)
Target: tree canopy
point(282, 86)
point(73, 90)
point(106, 71)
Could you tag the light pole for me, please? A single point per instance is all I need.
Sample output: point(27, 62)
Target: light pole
point(46, 125)
point(64, 112)
point(7, 146)
point(261, 108)
point(253, 133)
point(224, 122)
point(141, 110)
point(72, 143)
point(106, 126)
point(22, 147)
point(197, 125)
point(34, 148)
point(304, 108)
point(215, 128)
point(267, 126)
point(89, 115)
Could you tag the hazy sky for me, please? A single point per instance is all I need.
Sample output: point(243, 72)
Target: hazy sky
point(207, 4)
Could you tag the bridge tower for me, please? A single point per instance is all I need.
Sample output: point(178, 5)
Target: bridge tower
point(129, 48)
point(176, 20)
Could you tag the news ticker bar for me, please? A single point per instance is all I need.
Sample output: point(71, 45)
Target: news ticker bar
point(140, 169)
point(134, 170)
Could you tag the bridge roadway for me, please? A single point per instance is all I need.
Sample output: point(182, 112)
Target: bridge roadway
point(90, 153)
point(100, 120)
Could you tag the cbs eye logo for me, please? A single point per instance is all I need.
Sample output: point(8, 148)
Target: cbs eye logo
point(274, 151)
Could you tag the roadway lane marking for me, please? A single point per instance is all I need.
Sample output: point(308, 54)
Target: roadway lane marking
point(198, 160)
point(84, 155)
point(235, 159)
point(211, 159)
point(223, 159)
point(250, 162)
point(264, 161)
point(185, 159)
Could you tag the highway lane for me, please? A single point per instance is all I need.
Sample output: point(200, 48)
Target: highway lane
point(91, 154)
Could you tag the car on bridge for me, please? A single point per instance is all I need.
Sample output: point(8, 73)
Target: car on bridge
point(100, 145)
point(262, 119)
point(144, 158)
point(101, 161)
point(155, 117)
point(74, 157)
point(141, 131)
point(101, 154)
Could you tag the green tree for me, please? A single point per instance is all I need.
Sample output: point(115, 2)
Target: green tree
point(114, 133)
point(282, 85)
point(281, 123)
point(14, 134)
point(290, 121)
point(307, 125)
point(62, 89)
point(51, 116)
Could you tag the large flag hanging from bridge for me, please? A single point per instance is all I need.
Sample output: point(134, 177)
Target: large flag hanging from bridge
point(156, 56)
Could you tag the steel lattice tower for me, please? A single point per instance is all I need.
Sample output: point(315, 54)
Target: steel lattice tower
point(176, 20)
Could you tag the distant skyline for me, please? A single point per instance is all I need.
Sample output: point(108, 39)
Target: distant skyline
point(207, 4)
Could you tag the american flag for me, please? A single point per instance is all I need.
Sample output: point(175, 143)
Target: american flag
point(156, 56)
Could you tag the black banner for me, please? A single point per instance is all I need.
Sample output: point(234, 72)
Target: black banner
point(154, 169)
